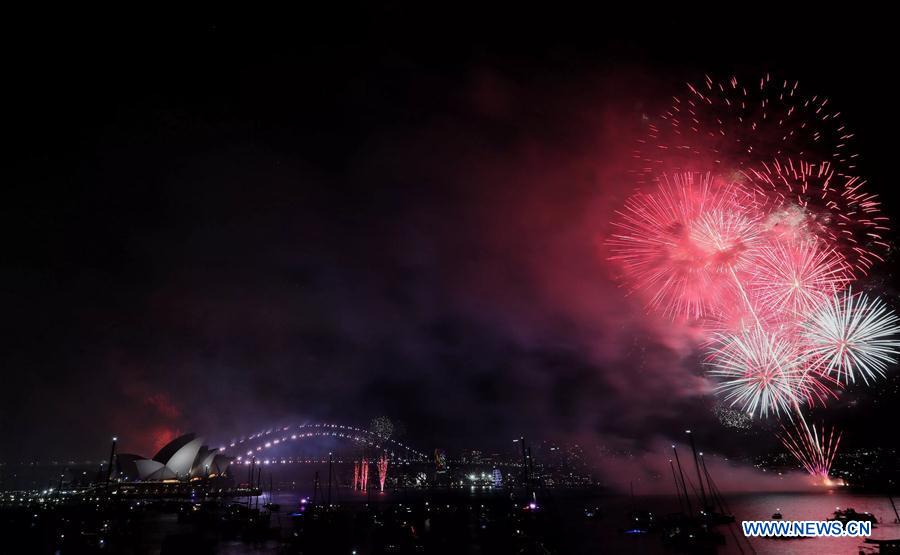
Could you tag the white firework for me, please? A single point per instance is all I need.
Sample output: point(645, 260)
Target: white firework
point(759, 372)
point(853, 336)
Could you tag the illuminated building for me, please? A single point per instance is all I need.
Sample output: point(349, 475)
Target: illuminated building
point(183, 458)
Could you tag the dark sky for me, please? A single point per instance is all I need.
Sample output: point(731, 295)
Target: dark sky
point(226, 223)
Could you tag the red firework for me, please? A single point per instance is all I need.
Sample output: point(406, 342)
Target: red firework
point(728, 125)
point(813, 200)
point(680, 242)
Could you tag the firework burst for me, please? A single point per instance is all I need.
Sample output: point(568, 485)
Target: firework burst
point(674, 241)
point(853, 336)
point(759, 373)
point(792, 278)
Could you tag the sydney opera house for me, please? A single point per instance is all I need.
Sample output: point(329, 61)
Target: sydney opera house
point(183, 458)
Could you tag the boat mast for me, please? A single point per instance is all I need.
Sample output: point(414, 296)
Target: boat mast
point(683, 485)
point(697, 466)
point(677, 490)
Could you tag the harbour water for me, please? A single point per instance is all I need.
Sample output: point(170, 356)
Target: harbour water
point(448, 520)
point(569, 531)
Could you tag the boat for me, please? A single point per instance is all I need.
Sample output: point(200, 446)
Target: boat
point(714, 518)
point(880, 547)
point(640, 522)
point(850, 514)
point(685, 532)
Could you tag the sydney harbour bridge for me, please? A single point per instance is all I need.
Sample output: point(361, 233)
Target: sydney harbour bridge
point(274, 446)
point(268, 446)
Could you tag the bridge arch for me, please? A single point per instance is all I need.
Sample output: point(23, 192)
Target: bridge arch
point(258, 445)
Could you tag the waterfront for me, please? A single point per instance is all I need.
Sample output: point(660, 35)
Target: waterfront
point(568, 531)
point(464, 521)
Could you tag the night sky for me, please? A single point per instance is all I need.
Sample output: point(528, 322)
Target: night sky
point(227, 223)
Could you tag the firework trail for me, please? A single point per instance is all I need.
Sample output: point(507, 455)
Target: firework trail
point(382, 471)
point(814, 448)
point(753, 225)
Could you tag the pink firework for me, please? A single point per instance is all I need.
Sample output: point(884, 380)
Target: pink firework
point(382, 470)
point(727, 236)
point(729, 125)
point(679, 242)
point(812, 199)
point(813, 448)
point(792, 278)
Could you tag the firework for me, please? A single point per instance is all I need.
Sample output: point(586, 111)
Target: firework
point(675, 241)
point(792, 278)
point(382, 470)
point(853, 336)
point(731, 418)
point(812, 200)
point(382, 426)
point(813, 448)
point(758, 224)
point(727, 238)
point(729, 125)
